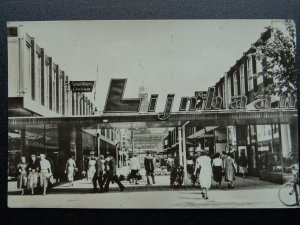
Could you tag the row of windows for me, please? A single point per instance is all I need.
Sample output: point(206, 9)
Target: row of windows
point(243, 79)
point(46, 84)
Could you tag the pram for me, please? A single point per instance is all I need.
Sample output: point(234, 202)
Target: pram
point(176, 177)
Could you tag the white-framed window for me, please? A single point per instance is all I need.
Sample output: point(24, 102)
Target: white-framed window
point(259, 70)
point(219, 91)
point(28, 70)
point(235, 84)
point(38, 94)
point(242, 79)
point(250, 73)
point(46, 80)
point(223, 94)
point(54, 90)
point(229, 89)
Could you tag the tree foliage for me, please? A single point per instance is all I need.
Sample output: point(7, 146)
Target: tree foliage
point(278, 57)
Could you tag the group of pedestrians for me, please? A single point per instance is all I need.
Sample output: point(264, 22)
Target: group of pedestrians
point(105, 173)
point(135, 167)
point(33, 174)
point(207, 168)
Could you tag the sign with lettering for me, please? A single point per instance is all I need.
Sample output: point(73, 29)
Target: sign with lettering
point(82, 86)
point(201, 101)
point(115, 101)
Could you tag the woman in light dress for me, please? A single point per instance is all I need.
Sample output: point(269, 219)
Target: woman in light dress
point(22, 174)
point(230, 168)
point(204, 164)
point(45, 172)
point(92, 168)
point(70, 170)
point(33, 168)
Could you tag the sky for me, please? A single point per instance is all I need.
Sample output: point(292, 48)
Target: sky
point(164, 56)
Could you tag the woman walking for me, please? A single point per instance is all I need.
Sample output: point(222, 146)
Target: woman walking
point(22, 174)
point(70, 170)
point(92, 168)
point(243, 163)
point(217, 166)
point(33, 168)
point(46, 172)
point(204, 164)
point(230, 168)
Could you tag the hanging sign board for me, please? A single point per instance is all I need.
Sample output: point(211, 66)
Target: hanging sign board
point(82, 86)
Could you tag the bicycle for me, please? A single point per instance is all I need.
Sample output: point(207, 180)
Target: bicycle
point(289, 192)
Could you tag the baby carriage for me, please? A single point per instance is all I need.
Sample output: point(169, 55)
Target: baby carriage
point(176, 177)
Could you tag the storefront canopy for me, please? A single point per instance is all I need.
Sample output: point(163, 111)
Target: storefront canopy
point(150, 120)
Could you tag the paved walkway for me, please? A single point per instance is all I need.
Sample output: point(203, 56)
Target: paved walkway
point(248, 193)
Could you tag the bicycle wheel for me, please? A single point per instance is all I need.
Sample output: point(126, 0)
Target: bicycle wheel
point(289, 193)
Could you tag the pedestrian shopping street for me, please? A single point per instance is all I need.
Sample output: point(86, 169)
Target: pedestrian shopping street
point(248, 193)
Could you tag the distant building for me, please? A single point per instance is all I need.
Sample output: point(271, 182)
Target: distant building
point(145, 101)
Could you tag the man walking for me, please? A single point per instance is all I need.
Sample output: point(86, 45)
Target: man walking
point(149, 167)
point(134, 167)
point(98, 176)
point(111, 173)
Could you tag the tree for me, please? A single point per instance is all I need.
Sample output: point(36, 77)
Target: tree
point(278, 58)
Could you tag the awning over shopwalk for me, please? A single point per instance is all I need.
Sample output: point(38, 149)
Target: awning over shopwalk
point(176, 119)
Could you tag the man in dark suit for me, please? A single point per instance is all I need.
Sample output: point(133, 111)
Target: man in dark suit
point(149, 167)
point(98, 176)
point(111, 173)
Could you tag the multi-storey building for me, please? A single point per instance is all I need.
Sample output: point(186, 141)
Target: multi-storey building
point(269, 148)
point(38, 86)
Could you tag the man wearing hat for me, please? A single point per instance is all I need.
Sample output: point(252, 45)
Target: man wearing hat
point(149, 167)
point(98, 176)
point(111, 173)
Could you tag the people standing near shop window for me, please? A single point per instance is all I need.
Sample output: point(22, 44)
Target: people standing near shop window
point(230, 169)
point(22, 175)
point(92, 168)
point(217, 167)
point(111, 173)
point(243, 164)
point(33, 169)
point(46, 172)
point(204, 164)
point(70, 170)
point(98, 176)
point(149, 167)
point(134, 168)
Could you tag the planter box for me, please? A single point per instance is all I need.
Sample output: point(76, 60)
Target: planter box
point(275, 177)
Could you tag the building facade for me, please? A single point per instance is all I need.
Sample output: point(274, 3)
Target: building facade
point(271, 149)
point(38, 86)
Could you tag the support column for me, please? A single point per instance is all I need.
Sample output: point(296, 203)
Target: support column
point(79, 154)
point(23, 140)
point(180, 146)
point(64, 145)
point(280, 149)
point(184, 152)
point(226, 92)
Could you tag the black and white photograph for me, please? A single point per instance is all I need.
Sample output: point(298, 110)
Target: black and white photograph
point(179, 113)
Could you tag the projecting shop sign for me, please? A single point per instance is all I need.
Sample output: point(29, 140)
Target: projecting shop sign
point(82, 86)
